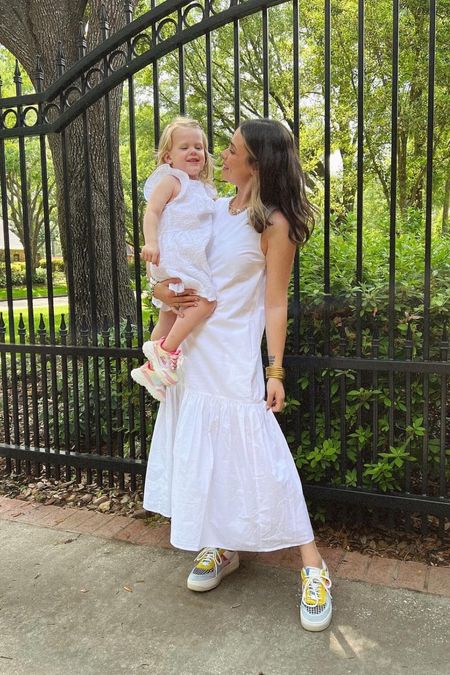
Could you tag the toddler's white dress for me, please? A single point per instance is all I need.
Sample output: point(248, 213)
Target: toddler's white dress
point(219, 464)
point(184, 231)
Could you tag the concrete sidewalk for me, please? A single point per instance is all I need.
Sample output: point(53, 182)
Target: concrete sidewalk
point(73, 603)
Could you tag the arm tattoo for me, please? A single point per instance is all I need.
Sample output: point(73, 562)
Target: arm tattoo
point(271, 360)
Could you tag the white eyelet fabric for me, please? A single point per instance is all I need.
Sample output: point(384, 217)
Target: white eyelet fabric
point(184, 232)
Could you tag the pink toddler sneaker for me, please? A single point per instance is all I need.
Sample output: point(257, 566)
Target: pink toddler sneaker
point(146, 377)
point(164, 363)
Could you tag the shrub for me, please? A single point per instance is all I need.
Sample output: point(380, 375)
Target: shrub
point(373, 289)
point(57, 264)
point(39, 276)
point(363, 428)
point(19, 276)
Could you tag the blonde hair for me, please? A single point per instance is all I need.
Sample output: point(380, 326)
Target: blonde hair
point(165, 145)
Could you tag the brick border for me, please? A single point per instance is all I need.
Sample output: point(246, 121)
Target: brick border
point(342, 564)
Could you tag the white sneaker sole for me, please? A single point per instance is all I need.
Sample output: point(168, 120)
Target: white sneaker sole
point(208, 585)
point(315, 626)
point(168, 378)
point(138, 377)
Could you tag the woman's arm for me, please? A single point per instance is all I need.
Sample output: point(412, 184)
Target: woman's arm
point(280, 252)
point(166, 190)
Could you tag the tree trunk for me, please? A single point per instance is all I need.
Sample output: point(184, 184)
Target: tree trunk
point(34, 27)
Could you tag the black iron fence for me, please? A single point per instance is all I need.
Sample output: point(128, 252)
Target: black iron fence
point(367, 353)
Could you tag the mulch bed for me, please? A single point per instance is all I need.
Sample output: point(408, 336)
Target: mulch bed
point(340, 530)
point(430, 548)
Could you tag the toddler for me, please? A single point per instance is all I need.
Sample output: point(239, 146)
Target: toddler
point(177, 229)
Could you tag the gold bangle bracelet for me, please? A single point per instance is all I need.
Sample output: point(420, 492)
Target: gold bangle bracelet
point(275, 371)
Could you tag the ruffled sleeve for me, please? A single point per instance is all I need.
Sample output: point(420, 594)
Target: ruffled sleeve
point(159, 173)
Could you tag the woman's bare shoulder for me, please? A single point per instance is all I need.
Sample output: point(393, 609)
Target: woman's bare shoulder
point(278, 224)
point(276, 235)
point(277, 230)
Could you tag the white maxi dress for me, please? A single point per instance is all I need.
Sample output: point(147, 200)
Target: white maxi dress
point(219, 465)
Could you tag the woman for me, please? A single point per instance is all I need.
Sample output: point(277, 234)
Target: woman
point(219, 465)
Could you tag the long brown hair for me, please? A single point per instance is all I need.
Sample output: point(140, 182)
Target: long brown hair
point(279, 182)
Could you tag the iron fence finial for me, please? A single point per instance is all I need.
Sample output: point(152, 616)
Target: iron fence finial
point(39, 75)
point(128, 10)
point(60, 59)
point(409, 331)
point(81, 40)
point(444, 338)
point(84, 329)
point(62, 325)
point(17, 79)
point(104, 22)
point(17, 74)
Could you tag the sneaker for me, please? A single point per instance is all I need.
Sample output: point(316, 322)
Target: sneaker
point(146, 377)
point(315, 607)
point(164, 363)
point(212, 565)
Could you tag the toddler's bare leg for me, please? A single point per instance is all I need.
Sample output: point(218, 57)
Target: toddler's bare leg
point(184, 325)
point(164, 325)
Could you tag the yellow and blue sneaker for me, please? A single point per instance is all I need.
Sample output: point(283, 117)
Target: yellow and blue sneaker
point(315, 606)
point(212, 565)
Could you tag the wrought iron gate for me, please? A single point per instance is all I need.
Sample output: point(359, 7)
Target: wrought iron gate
point(354, 375)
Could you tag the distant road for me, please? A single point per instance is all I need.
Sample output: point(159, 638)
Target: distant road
point(37, 302)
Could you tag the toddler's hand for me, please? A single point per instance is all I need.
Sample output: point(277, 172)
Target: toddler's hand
point(150, 253)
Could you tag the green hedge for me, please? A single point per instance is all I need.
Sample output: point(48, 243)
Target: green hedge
point(364, 402)
point(18, 275)
point(57, 264)
point(374, 288)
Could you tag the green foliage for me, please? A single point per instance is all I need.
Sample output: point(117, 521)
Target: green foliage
point(320, 462)
point(132, 272)
point(412, 99)
point(39, 276)
point(18, 275)
point(57, 264)
point(373, 291)
point(108, 401)
point(385, 472)
point(369, 460)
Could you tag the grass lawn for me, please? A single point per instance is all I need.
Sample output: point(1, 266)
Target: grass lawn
point(20, 292)
point(59, 311)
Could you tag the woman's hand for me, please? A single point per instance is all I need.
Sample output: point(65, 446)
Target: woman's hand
point(150, 252)
point(275, 395)
point(176, 301)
